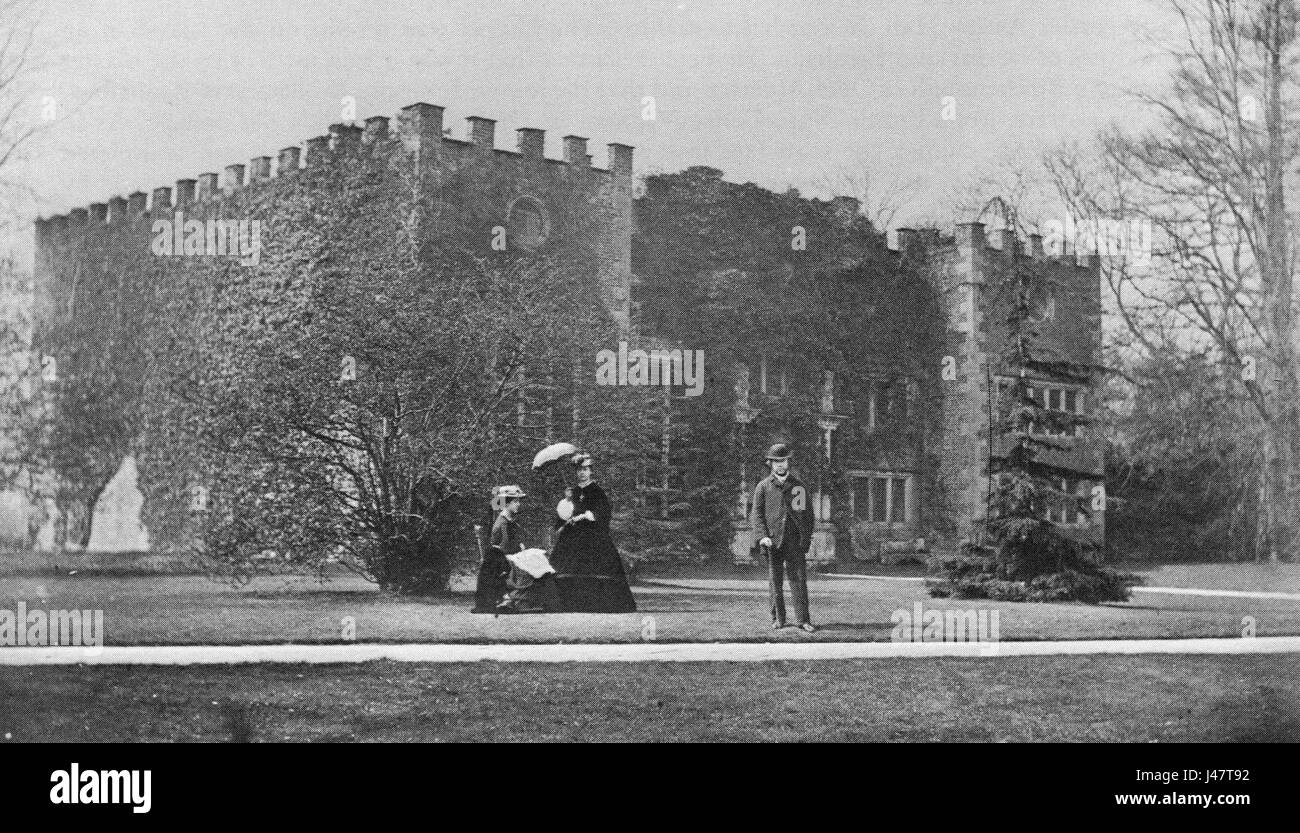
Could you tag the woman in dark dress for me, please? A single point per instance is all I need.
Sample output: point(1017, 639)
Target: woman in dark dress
point(588, 569)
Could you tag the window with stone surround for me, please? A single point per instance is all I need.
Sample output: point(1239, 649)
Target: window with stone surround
point(1069, 511)
point(526, 223)
point(1042, 304)
point(1053, 397)
point(1058, 398)
point(773, 379)
point(885, 498)
point(890, 402)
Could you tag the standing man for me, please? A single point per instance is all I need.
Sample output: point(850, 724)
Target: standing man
point(783, 524)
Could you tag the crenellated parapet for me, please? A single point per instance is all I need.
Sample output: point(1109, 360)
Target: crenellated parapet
point(417, 131)
point(414, 141)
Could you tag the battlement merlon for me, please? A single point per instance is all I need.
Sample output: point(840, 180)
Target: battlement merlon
point(419, 130)
point(971, 254)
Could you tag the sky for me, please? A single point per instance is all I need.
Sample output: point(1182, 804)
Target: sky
point(778, 92)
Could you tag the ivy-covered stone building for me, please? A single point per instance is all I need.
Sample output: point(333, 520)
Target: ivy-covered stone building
point(189, 279)
point(877, 364)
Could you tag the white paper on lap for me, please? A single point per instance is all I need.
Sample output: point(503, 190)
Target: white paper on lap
point(532, 561)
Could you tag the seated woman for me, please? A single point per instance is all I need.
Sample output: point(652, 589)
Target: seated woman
point(589, 571)
point(502, 586)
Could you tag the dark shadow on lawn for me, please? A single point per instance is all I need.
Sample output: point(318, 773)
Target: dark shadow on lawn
point(855, 626)
point(1127, 606)
point(333, 595)
point(1266, 715)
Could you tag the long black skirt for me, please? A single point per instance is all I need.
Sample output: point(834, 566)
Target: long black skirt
point(491, 588)
point(531, 595)
point(589, 572)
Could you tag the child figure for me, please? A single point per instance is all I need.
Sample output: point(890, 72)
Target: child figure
point(523, 592)
point(505, 540)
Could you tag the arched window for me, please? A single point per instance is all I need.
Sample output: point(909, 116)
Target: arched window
point(526, 224)
point(1042, 303)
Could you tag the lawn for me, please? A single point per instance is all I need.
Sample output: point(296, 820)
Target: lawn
point(1091, 698)
point(178, 609)
point(1284, 578)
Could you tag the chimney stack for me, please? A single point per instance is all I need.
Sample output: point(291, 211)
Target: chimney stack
point(136, 203)
point(162, 200)
point(98, 213)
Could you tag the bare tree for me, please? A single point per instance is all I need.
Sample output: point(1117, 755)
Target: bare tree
point(18, 19)
point(1211, 178)
point(881, 198)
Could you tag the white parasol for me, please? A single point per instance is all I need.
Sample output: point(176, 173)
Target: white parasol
point(553, 452)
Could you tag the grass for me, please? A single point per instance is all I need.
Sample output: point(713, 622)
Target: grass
point(152, 610)
point(1073, 698)
point(1093, 698)
point(1284, 578)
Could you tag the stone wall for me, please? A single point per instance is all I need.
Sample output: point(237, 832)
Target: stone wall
point(971, 270)
point(109, 274)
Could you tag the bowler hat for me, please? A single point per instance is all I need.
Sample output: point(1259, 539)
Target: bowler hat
point(779, 451)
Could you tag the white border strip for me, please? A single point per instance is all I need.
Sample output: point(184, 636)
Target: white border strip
point(1236, 594)
point(1176, 591)
point(635, 652)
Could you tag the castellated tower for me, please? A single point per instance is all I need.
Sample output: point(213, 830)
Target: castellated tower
point(975, 275)
point(216, 259)
point(536, 194)
point(542, 196)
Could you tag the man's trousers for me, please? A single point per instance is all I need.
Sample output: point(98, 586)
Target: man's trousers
point(788, 559)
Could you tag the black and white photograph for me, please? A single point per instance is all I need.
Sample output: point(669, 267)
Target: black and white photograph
point(669, 371)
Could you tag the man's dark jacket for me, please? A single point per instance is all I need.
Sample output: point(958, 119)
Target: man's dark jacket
point(773, 502)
